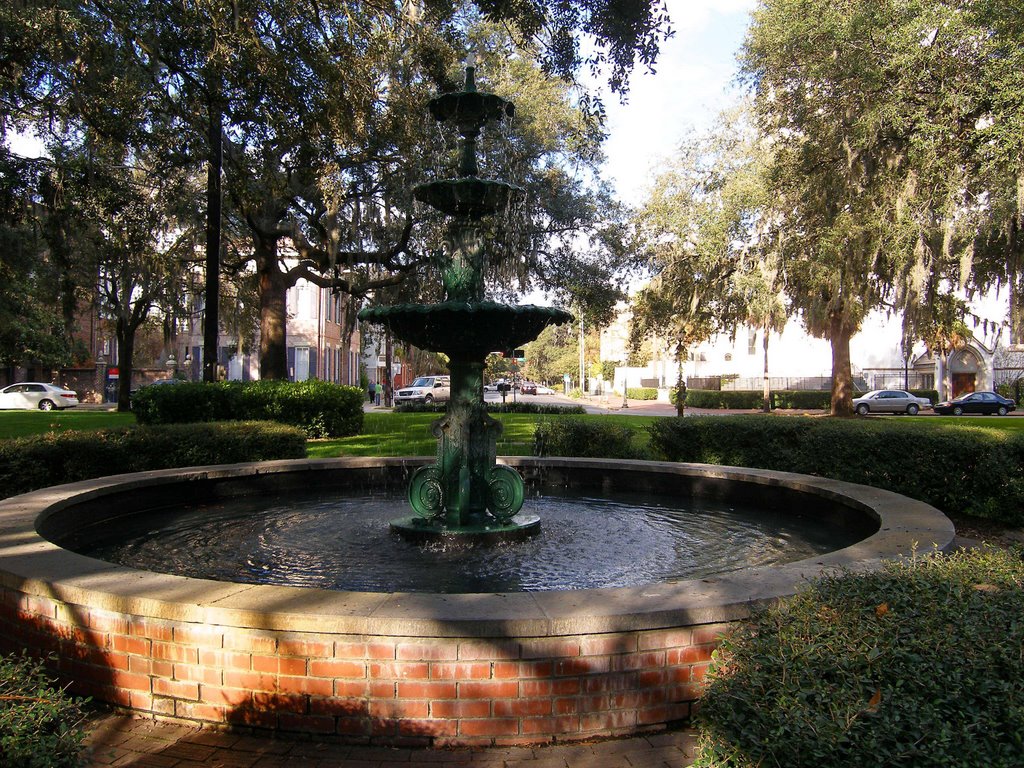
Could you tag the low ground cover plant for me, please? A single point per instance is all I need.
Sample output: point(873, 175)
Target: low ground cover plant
point(40, 725)
point(919, 664)
point(319, 408)
point(35, 462)
point(958, 467)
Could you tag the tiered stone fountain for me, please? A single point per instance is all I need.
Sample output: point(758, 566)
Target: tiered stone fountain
point(407, 666)
point(465, 494)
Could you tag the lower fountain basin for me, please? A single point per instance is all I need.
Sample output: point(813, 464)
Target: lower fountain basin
point(405, 668)
point(466, 329)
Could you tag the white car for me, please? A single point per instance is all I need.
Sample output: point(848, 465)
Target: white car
point(890, 401)
point(33, 394)
point(426, 390)
point(542, 390)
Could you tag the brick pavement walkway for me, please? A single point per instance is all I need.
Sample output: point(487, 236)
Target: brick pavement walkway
point(126, 742)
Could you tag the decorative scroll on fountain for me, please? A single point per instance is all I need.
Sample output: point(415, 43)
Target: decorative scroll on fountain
point(465, 492)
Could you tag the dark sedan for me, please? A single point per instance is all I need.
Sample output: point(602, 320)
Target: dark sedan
point(976, 402)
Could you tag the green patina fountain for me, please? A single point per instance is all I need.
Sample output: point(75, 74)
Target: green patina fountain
point(465, 493)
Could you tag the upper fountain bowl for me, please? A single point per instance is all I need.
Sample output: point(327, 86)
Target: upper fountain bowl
point(469, 197)
point(462, 328)
point(470, 107)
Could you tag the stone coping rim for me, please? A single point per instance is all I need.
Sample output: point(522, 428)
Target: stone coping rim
point(32, 564)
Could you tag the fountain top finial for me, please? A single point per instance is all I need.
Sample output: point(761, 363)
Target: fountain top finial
point(470, 85)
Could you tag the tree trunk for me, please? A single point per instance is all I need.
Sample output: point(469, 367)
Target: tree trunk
point(273, 311)
point(766, 395)
point(1016, 282)
point(211, 315)
point(125, 351)
point(842, 372)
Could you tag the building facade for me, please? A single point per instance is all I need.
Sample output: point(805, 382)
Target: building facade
point(319, 342)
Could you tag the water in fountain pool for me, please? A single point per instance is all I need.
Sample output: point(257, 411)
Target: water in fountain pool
point(346, 544)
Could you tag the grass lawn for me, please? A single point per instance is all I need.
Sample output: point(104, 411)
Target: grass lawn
point(25, 423)
point(408, 434)
point(1003, 423)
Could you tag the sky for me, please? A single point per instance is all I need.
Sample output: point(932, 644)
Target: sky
point(693, 82)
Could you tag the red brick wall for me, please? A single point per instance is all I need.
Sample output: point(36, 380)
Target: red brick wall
point(370, 689)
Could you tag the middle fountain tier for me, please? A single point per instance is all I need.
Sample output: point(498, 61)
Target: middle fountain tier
point(465, 494)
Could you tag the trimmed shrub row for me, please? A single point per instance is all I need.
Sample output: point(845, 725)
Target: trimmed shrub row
point(918, 664)
point(959, 469)
point(518, 406)
point(28, 463)
point(319, 408)
point(586, 438)
point(642, 393)
point(40, 725)
point(798, 399)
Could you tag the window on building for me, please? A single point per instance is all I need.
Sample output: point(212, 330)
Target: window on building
point(752, 341)
point(301, 363)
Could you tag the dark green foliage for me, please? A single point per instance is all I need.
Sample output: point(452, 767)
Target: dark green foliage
point(957, 468)
point(585, 438)
point(519, 406)
point(36, 462)
point(1013, 390)
point(916, 665)
point(40, 725)
point(642, 393)
point(319, 408)
point(931, 394)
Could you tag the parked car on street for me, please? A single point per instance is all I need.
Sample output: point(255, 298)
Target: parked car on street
point(890, 401)
point(976, 402)
point(426, 390)
point(528, 388)
point(34, 394)
point(542, 390)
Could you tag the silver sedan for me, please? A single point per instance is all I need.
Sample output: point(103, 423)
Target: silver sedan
point(890, 401)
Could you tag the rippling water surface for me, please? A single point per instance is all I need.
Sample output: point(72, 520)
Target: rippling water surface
point(346, 544)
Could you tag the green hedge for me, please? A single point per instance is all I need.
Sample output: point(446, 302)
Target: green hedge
point(585, 438)
point(746, 399)
point(29, 463)
point(642, 393)
point(918, 665)
point(519, 406)
point(957, 468)
point(40, 725)
point(797, 399)
point(319, 408)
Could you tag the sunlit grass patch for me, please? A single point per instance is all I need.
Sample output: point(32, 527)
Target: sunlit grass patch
point(409, 434)
point(26, 423)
